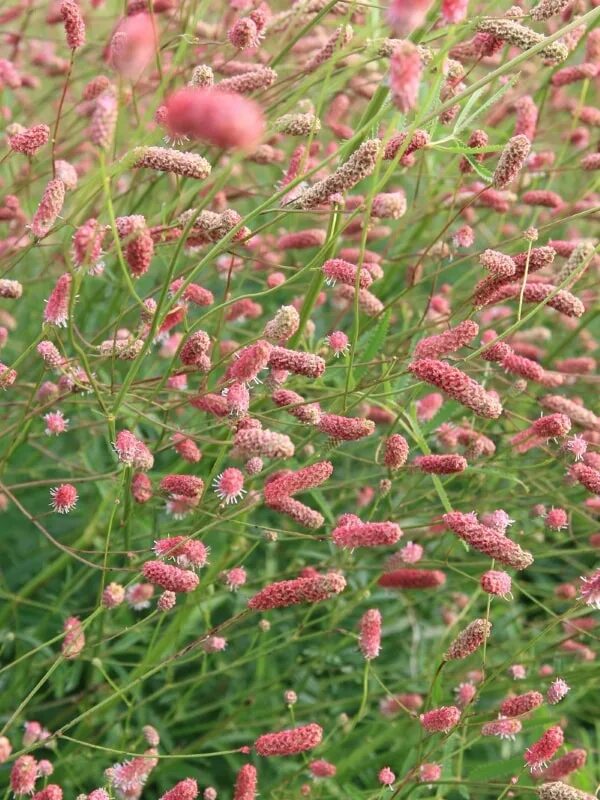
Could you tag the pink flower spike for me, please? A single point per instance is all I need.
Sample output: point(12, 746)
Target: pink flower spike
point(245, 783)
point(49, 208)
point(441, 719)
point(64, 498)
point(538, 755)
point(289, 742)
point(229, 485)
point(590, 589)
point(557, 690)
point(370, 633)
point(386, 777)
point(57, 306)
point(184, 790)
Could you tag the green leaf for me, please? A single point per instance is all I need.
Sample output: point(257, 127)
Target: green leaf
point(497, 769)
point(374, 346)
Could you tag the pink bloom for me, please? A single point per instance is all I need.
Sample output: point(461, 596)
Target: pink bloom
point(312, 589)
point(354, 533)
point(57, 306)
point(502, 727)
point(138, 595)
point(447, 342)
point(441, 719)
point(251, 442)
point(64, 498)
point(141, 488)
point(87, 245)
point(563, 766)
point(458, 385)
point(386, 777)
point(55, 423)
point(166, 601)
point(406, 15)
point(590, 589)
point(289, 742)
point(189, 553)
point(49, 208)
point(465, 692)
point(186, 448)
point(429, 772)
point(229, 485)
point(133, 45)
point(520, 704)
point(395, 452)
point(168, 577)
point(113, 595)
point(412, 579)
point(542, 751)
point(446, 464)
point(517, 672)
point(370, 633)
point(132, 452)
point(5, 749)
point(557, 690)
point(245, 783)
point(557, 519)
point(234, 578)
point(250, 361)
point(29, 140)
point(405, 75)
point(345, 428)
point(214, 644)
point(23, 775)
point(428, 406)
point(307, 364)
point(74, 638)
point(488, 541)
point(454, 10)
point(184, 485)
point(469, 640)
point(496, 583)
point(74, 24)
point(223, 119)
point(186, 789)
point(322, 769)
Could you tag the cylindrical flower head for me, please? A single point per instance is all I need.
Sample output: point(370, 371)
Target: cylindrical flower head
point(250, 442)
point(289, 742)
point(104, 119)
point(562, 791)
point(184, 790)
point(223, 119)
point(283, 326)
point(132, 452)
point(168, 577)
point(511, 162)
point(458, 385)
point(164, 159)
point(366, 534)
point(488, 541)
point(547, 9)
point(469, 640)
point(496, 583)
point(546, 746)
point(313, 589)
point(563, 766)
point(336, 269)
point(29, 140)
point(345, 428)
point(412, 579)
point(49, 208)
point(395, 452)
point(293, 482)
point(447, 342)
point(245, 783)
point(293, 403)
point(307, 364)
point(322, 769)
point(186, 485)
point(23, 775)
point(498, 264)
point(557, 690)
point(406, 68)
point(74, 638)
point(441, 719)
point(521, 704)
point(250, 361)
point(369, 639)
point(73, 22)
point(188, 553)
point(503, 727)
point(446, 464)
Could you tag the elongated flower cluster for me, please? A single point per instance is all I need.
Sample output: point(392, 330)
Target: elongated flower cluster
point(289, 742)
point(351, 533)
point(469, 640)
point(369, 639)
point(447, 342)
point(488, 541)
point(458, 385)
point(441, 719)
point(311, 589)
point(163, 159)
point(168, 577)
point(412, 579)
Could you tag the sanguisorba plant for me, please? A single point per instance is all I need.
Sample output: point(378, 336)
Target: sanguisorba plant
point(300, 445)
